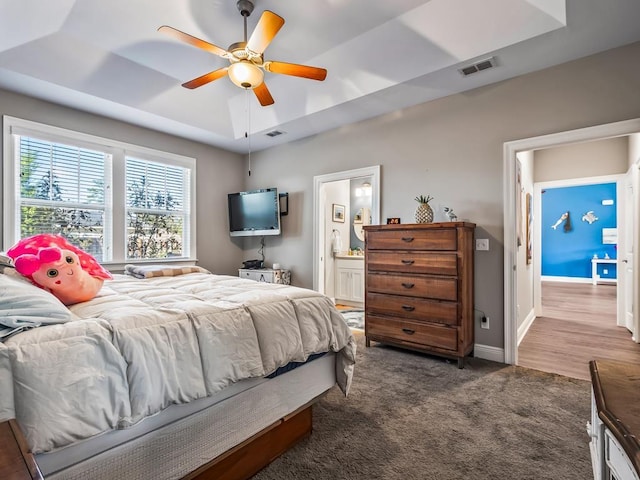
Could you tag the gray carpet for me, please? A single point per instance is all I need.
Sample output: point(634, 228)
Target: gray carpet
point(412, 416)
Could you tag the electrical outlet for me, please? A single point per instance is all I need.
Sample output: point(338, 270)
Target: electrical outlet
point(484, 322)
point(482, 244)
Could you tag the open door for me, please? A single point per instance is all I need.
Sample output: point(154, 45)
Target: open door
point(625, 257)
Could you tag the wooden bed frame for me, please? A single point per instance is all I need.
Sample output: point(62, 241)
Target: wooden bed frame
point(239, 463)
point(248, 458)
point(256, 452)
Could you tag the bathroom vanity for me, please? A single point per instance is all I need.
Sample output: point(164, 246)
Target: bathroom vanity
point(349, 286)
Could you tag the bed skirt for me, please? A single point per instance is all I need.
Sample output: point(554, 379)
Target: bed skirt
point(177, 449)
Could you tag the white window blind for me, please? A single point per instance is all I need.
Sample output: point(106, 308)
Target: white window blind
point(62, 191)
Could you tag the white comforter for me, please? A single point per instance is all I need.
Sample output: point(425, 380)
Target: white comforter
point(142, 345)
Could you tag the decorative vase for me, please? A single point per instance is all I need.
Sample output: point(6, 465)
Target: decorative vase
point(424, 213)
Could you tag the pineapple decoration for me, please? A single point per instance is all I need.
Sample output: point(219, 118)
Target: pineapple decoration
point(424, 212)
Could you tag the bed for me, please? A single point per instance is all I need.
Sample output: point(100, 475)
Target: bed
point(177, 376)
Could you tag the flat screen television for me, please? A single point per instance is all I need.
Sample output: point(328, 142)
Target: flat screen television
point(254, 213)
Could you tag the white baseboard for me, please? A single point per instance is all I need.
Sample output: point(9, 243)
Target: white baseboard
point(548, 278)
point(488, 352)
point(526, 324)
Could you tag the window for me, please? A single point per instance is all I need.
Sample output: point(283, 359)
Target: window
point(119, 202)
point(156, 214)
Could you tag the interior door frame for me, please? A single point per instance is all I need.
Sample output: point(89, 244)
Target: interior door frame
point(510, 149)
point(538, 187)
point(319, 236)
point(634, 172)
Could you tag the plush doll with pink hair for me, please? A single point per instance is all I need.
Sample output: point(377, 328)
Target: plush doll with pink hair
point(53, 264)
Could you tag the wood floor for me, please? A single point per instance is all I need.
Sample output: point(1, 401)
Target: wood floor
point(578, 324)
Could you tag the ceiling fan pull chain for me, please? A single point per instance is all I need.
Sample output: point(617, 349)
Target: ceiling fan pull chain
point(247, 137)
point(246, 133)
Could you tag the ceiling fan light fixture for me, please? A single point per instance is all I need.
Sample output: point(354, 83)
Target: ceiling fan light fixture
point(247, 65)
point(245, 74)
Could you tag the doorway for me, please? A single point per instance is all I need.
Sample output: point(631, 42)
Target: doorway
point(511, 150)
point(323, 215)
point(575, 318)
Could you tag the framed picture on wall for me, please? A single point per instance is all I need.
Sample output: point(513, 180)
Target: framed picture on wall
point(338, 213)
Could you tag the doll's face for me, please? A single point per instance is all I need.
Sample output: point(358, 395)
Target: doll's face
point(62, 274)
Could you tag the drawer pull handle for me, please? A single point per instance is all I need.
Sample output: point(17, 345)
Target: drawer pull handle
point(408, 262)
point(408, 308)
point(407, 239)
point(407, 285)
point(408, 331)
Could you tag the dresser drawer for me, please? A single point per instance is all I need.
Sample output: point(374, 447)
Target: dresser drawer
point(413, 262)
point(440, 288)
point(436, 239)
point(413, 332)
point(413, 308)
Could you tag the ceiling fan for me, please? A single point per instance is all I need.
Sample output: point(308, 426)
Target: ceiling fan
point(246, 58)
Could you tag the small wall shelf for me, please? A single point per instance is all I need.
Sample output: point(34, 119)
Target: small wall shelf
point(595, 278)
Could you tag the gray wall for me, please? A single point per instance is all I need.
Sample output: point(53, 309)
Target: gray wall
point(452, 148)
point(589, 159)
point(218, 172)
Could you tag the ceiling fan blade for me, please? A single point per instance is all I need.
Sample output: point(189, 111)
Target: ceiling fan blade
point(206, 78)
point(263, 94)
point(267, 27)
point(314, 73)
point(196, 42)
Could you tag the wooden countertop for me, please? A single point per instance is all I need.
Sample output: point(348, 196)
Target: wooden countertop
point(616, 388)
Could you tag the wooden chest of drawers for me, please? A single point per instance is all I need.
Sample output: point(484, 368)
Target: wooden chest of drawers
point(419, 287)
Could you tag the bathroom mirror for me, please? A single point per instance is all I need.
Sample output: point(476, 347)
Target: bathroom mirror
point(361, 218)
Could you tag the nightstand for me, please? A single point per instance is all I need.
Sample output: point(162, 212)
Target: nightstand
point(16, 462)
point(267, 275)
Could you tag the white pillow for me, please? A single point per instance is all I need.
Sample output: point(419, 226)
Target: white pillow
point(23, 305)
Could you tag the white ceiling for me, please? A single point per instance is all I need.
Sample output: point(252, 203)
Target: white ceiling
point(107, 57)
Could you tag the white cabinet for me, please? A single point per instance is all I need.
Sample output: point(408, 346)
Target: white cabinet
point(617, 464)
point(267, 275)
point(595, 430)
point(349, 286)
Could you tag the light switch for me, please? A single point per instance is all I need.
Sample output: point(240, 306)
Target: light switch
point(482, 244)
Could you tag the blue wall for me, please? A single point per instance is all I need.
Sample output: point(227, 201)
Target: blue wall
point(569, 253)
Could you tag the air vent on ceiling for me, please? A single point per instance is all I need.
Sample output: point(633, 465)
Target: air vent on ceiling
point(478, 66)
point(274, 133)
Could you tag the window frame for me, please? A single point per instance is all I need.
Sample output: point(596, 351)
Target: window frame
point(115, 176)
